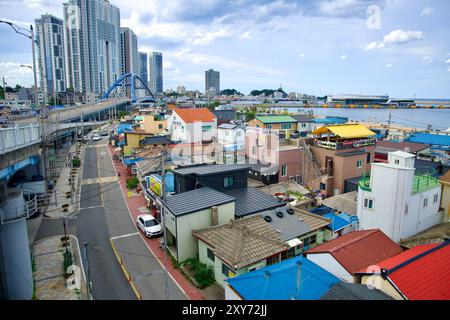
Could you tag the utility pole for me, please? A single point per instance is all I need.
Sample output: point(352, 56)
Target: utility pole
point(163, 220)
point(88, 291)
point(389, 121)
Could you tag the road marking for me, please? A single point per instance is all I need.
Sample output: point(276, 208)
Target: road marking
point(142, 237)
point(93, 207)
point(127, 275)
point(125, 235)
point(99, 180)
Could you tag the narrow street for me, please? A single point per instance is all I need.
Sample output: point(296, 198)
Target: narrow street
point(104, 220)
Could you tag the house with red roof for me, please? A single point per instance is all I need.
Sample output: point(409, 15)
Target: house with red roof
point(192, 125)
point(352, 252)
point(420, 273)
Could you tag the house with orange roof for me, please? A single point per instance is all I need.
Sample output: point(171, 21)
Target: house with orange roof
point(192, 125)
point(352, 252)
point(420, 273)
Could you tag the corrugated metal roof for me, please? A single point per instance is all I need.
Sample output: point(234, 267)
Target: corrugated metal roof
point(242, 242)
point(359, 249)
point(196, 200)
point(431, 139)
point(227, 126)
point(211, 169)
point(301, 118)
point(251, 200)
point(346, 131)
point(337, 223)
point(384, 146)
point(276, 119)
point(427, 277)
point(280, 281)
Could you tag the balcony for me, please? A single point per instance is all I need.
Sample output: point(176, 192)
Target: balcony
point(347, 144)
point(424, 182)
point(421, 183)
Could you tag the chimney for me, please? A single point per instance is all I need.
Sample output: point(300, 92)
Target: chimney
point(214, 216)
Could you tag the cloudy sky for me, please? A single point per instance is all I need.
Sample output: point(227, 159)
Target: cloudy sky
point(395, 47)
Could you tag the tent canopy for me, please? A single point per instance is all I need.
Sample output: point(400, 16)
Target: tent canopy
point(346, 131)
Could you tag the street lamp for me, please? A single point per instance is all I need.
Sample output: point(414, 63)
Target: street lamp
point(30, 36)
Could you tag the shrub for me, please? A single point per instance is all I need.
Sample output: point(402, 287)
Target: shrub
point(68, 261)
point(203, 275)
point(76, 162)
point(132, 182)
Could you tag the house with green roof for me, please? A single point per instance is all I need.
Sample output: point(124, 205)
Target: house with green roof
point(275, 122)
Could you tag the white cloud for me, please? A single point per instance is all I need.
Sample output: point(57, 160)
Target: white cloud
point(205, 38)
point(15, 74)
point(396, 37)
point(344, 56)
point(427, 12)
point(427, 59)
point(448, 61)
point(388, 65)
point(401, 36)
point(375, 45)
point(302, 55)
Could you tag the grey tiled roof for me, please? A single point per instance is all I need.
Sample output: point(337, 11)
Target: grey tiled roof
point(242, 242)
point(211, 169)
point(196, 200)
point(353, 291)
point(251, 200)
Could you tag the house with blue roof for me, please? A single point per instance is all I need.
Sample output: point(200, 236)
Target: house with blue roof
point(293, 279)
point(437, 141)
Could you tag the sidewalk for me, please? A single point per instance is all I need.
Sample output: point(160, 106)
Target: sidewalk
point(63, 186)
point(136, 205)
point(48, 270)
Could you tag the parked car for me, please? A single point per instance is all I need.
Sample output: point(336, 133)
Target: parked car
point(96, 137)
point(104, 133)
point(148, 225)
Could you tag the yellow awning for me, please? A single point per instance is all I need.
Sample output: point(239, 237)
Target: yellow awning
point(346, 131)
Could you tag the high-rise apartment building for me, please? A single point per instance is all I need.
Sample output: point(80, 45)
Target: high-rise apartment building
point(212, 82)
point(143, 67)
point(155, 64)
point(93, 55)
point(129, 50)
point(50, 53)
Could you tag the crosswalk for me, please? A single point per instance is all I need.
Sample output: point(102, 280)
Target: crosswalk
point(100, 180)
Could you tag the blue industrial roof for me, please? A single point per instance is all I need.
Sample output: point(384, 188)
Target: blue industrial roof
point(432, 139)
point(280, 281)
point(331, 120)
point(337, 223)
point(124, 127)
point(348, 217)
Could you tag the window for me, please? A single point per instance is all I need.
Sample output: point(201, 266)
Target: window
point(210, 254)
point(288, 254)
point(206, 128)
point(359, 164)
point(435, 198)
point(254, 149)
point(160, 126)
point(226, 270)
point(228, 181)
point(303, 125)
point(284, 170)
point(425, 202)
point(406, 209)
point(269, 126)
point(368, 203)
point(397, 161)
point(286, 126)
